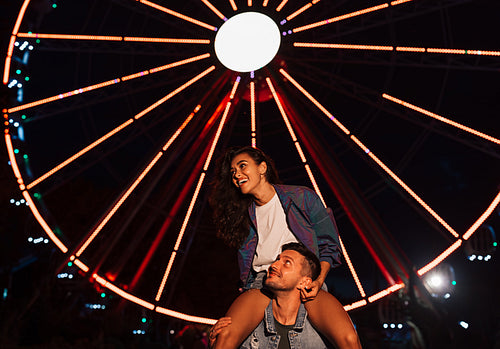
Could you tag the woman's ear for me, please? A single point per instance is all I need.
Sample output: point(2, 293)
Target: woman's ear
point(262, 168)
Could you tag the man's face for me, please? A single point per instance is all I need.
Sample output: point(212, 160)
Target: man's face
point(285, 273)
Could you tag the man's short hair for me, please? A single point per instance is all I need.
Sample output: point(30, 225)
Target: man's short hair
point(311, 266)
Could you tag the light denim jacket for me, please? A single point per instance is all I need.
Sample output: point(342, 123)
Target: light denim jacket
point(302, 336)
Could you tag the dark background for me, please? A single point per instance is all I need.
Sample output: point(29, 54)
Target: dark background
point(456, 173)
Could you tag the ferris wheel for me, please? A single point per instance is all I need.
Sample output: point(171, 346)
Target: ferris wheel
point(120, 108)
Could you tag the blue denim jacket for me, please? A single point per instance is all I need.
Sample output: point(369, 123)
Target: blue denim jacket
point(302, 336)
point(307, 219)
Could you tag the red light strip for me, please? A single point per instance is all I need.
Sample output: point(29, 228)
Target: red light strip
point(195, 195)
point(394, 3)
point(340, 18)
point(380, 163)
point(106, 83)
point(173, 93)
point(110, 286)
point(64, 95)
point(185, 317)
point(313, 181)
point(136, 183)
point(442, 119)
point(385, 292)
point(31, 204)
point(115, 130)
point(42, 223)
point(117, 205)
point(439, 258)
point(167, 40)
point(281, 5)
point(315, 102)
point(70, 37)
point(397, 48)
point(214, 9)
point(105, 283)
point(10, 49)
point(249, 3)
point(233, 5)
point(13, 162)
point(80, 264)
point(343, 46)
point(80, 153)
point(182, 127)
point(483, 217)
point(252, 114)
point(264, 4)
point(355, 305)
point(177, 14)
point(404, 186)
point(299, 11)
point(351, 269)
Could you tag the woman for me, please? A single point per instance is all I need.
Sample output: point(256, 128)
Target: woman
point(257, 215)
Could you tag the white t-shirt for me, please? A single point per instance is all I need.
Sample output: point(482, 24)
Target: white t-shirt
point(273, 233)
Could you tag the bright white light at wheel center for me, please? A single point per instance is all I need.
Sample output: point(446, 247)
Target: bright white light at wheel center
point(247, 41)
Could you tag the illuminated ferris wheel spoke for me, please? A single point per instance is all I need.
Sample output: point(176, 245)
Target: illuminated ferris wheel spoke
point(112, 38)
point(178, 15)
point(312, 179)
point(197, 190)
point(264, 4)
point(252, 115)
point(127, 193)
point(281, 5)
point(106, 83)
point(483, 217)
point(340, 18)
point(233, 5)
point(117, 129)
point(442, 119)
point(398, 49)
point(214, 9)
point(372, 156)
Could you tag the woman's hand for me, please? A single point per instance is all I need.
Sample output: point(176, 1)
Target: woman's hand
point(215, 330)
point(310, 292)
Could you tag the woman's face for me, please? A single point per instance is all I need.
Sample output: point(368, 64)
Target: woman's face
point(246, 174)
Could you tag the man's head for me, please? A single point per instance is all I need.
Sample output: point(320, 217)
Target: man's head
point(294, 268)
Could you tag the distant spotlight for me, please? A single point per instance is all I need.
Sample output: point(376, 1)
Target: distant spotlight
point(172, 331)
point(400, 326)
point(440, 281)
point(393, 325)
point(385, 325)
point(487, 258)
point(464, 324)
point(446, 296)
point(472, 257)
point(479, 258)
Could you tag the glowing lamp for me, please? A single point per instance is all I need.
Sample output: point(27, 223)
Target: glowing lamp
point(247, 42)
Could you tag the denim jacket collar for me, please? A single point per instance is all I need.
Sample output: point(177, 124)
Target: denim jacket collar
point(269, 319)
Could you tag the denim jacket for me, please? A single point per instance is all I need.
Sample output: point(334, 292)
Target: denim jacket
point(307, 219)
point(302, 336)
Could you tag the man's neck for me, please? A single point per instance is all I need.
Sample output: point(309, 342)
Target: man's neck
point(285, 307)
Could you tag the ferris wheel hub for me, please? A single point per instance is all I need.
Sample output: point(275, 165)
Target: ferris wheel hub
point(247, 42)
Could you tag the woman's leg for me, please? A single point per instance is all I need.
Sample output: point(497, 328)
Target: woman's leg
point(328, 316)
point(246, 312)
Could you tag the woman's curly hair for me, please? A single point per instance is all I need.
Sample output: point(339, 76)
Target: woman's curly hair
point(230, 206)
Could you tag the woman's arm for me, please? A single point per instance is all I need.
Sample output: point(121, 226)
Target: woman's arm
point(307, 294)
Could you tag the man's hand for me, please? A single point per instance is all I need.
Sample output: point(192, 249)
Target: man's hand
point(310, 292)
point(215, 330)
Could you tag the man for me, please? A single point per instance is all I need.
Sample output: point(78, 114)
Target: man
point(285, 324)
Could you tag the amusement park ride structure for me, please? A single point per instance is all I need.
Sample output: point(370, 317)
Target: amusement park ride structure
point(129, 100)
